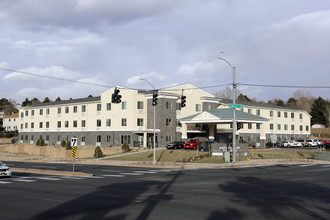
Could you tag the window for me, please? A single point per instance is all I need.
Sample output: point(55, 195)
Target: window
point(307, 128)
point(178, 106)
point(32, 124)
point(278, 127)
point(32, 137)
point(21, 126)
point(26, 113)
point(271, 127)
point(108, 122)
point(83, 138)
point(26, 125)
point(249, 125)
point(250, 111)
point(98, 138)
point(83, 108)
point(140, 122)
point(75, 109)
point(168, 139)
point(66, 110)
point(124, 105)
point(99, 107)
point(47, 137)
point(123, 122)
point(22, 115)
point(59, 124)
point(140, 105)
point(58, 137)
point(292, 127)
point(168, 122)
point(168, 105)
point(66, 124)
point(278, 114)
point(198, 108)
point(300, 116)
point(271, 113)
point(47, 124)
point(108, 106)
point(40, 124)
point(258, 112)
point(285, 114)
point(83, 123)
point(98, 123)
point(47, 111)
point(292, 114)
point(32, 112)
point(125, 138)
point(59, 110)
point(75, 124)
point(26, 137)
point(41, 112)
point(258, 126)
point(301, 128)
point(285, 127)
point(108, 138)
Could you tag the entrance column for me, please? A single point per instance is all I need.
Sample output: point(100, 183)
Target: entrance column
point(263, 135)
point(211, 132)
point(145, 140)
point(184, 135)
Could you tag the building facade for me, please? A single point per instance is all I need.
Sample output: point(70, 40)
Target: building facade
point(10, 122)
point(96, 121)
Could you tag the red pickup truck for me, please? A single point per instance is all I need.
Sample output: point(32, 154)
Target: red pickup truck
point(191, 144)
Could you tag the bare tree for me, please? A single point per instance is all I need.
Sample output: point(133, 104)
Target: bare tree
point(304, 99)
point(227, 93)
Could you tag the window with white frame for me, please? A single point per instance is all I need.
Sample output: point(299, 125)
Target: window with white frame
point(278, 114)
point(108, 106)
point(292, 114)
point(98, 123)
point(98, 138)
point(249, 125)
point(258, 126)
point(292, 127)
point(75, 109)
point(198, 108)
point(140, 122)
point(125, 138)
point(123, 122)
point(168, 122)
point(59, 110)
point(59, 124)
point(271, 113)
point(40, 124)
point(47, 124)
point(47, 111)
point(83, 108)
point(124, 105)
point(32, 125)
point(140, 105)
point(99, 107)
point(285, 127)
point(278, 127)
point(271, 127)
point(75, 124)
point(83, 123)
point(66, 110)
point(32, 112)
point(168, 105)
point(285, 114)
point(66, 124)
point(41, 112)
point(108, 122)
point(108, 138)
point(300, 116)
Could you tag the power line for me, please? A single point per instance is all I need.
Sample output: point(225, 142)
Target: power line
point(285, 86)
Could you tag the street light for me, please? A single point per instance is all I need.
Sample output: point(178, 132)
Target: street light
point(234, 101)
point(154, 161)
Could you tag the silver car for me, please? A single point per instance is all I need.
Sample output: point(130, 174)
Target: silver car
point(4, 170)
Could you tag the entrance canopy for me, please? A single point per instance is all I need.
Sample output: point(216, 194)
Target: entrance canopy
point(222, 116)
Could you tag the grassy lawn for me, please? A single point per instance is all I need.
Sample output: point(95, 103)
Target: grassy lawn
point(188, 155)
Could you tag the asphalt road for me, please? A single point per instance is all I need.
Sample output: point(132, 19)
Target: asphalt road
point(299, 191)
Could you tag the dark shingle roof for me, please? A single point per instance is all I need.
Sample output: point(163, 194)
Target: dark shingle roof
point(256, 104)
point(65, 102)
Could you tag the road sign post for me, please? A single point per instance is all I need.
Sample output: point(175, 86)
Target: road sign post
point(74, 149)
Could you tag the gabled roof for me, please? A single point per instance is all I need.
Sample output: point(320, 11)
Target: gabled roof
point(222, 116)
point(65, 102)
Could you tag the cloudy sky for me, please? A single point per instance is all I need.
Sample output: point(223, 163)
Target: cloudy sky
point(167, 42)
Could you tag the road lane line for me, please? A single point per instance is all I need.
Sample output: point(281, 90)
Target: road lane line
point(108, 175)
point(133, 174)
point(24, 180)
point(140, 171)
point(3, 182)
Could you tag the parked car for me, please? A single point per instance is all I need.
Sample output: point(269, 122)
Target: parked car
point(205, 145)
point(310, 143)
point(326, 141)
point(14, 140)
point(289, 143)
point(191, 144)
point(327, 145)
point(4, 170)
point(300, 143)
point(175, 145)
point(318, 142)
point(276, 144)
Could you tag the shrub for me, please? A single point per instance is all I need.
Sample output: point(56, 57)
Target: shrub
point(68, 145)
point(38, 142)
point(42, 142)
point(98, 152)
point(63, 143)
point(125, 147)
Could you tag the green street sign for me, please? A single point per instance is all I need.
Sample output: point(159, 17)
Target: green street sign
point(236, 106)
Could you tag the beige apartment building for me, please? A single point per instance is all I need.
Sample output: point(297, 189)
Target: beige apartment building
point(96, 121)
point(10, 122)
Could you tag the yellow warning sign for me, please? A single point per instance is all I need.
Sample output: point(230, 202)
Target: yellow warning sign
point(74, 149)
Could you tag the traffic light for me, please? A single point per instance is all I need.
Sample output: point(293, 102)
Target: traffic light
point(154, 99)
point(183, 101)
point(239, 125)
point(116, 98)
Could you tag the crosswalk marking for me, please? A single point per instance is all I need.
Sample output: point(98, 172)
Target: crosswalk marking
point(114, 175)
point(133, 174)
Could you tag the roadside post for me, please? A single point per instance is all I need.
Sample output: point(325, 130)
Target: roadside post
point(74, 149)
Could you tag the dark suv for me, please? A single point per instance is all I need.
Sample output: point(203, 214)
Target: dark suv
point(175, 145)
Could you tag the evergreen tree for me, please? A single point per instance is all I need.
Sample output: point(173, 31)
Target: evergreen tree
point(46, 100)
point(35, 101)
point(26, 102)
point(319, 112)
point(58, 99)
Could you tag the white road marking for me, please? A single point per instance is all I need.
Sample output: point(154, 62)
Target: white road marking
point(24, 180)
point(3, 182)
point(140, 171)
point(114, 175)
point(133, 174)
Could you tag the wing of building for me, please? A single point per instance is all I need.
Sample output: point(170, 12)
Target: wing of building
point(98, 122)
